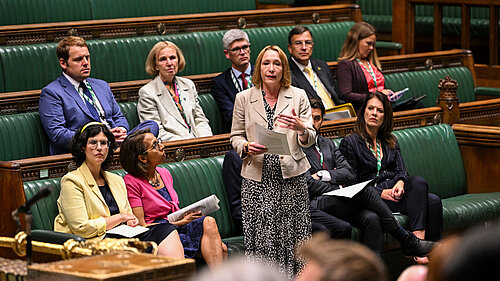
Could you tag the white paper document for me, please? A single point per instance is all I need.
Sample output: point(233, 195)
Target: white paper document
point(206, 206)
point(276, 143)
point(338, 115)
point(127, 231)
point(348, 191)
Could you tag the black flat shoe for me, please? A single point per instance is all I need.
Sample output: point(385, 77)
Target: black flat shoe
point(414, 246)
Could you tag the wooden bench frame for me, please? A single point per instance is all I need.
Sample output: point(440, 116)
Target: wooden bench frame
point(140, 26)
point(17, 102)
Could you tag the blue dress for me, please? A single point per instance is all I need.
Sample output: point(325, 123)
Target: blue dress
point(190, 234)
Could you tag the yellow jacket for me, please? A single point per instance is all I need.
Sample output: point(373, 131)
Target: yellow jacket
point(81, 206)
point(249, 110)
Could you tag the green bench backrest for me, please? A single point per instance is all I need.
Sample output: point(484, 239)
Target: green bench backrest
point(193, 180)
point(426, 82)
point(379, 14)
point(123, 59)
point(22, 136)
point(432, 152)
point(207, 102)
point(42, 11)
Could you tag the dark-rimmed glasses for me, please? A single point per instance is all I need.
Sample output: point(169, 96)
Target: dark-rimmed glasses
point(155, 145)
point(244, 48)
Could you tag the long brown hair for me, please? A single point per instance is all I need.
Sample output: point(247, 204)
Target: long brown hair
point(350, 49)
point(385, 130)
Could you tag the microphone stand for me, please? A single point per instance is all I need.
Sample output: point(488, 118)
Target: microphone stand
point(29, 245)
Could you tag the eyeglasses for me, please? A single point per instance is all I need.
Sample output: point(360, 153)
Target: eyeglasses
point(92, 144)
point(155, 146)
point(244, 48)
point(301, 43)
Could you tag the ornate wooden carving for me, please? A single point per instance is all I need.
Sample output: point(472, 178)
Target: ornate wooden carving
point(448, 100)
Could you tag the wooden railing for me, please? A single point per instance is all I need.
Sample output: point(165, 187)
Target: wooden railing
point(130, 27)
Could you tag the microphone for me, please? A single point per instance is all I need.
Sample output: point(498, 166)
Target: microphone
point(42, 193)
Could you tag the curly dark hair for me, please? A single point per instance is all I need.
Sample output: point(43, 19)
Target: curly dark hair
point(385, 131)
point(80, 141)
point(131, 148)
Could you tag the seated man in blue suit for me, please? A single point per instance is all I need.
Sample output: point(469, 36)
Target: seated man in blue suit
point(236, 78)
point(74, 99)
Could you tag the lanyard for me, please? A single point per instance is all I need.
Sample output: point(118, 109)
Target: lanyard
point(313, 76)
point(370, 70)
point(177, 99)
point(237, 84)
point(320, 155)
point(376, 154)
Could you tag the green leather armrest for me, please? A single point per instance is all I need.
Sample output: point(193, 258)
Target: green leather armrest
point(53, 237)
point(488, 91)
point(389, 45)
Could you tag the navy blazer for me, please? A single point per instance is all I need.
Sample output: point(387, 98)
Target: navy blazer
point(324, 74)
point(224, 92)
point(364, 163)
point(62, 111)
point(340, 171)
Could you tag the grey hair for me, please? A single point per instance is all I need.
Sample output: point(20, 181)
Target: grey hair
point(233, 35)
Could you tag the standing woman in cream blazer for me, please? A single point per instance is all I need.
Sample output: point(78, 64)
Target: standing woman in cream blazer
point(169, 100)
point(93, 201)
point(275, 204)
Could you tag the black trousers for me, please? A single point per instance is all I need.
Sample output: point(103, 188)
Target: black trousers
point(335, 227)
point(365, 210)
point(424, 209)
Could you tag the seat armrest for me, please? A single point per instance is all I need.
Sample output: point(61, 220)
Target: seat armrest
point(389, 45)
point(488, 91)
point(53, 237)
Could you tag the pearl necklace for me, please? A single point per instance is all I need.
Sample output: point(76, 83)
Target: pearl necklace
point(156, 182)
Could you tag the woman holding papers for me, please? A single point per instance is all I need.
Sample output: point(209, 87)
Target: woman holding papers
point(152, 197)
point(373, 153)
point(93, 201)
point(275, 204)
point(358, 71)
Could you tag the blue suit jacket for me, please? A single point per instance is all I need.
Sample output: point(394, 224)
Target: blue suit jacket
point(63, 111)
point(224, 92)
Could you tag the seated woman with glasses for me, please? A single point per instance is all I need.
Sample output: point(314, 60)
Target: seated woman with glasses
point(93, 201)
point(152, 197)
point(169, 100)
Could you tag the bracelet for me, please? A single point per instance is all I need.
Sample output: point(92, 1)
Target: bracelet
point(304, 132)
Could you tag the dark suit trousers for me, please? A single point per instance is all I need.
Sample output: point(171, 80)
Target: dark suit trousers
point(424, 209)
point(335, 227)
point(365, 210)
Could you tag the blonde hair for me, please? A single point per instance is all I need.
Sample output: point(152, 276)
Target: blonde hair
point(350, 49)
point(151, 67)
point(286, 78)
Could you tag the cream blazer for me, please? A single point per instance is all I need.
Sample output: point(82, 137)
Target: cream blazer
point(249, 110)
point(155, 103)
point(81, 206)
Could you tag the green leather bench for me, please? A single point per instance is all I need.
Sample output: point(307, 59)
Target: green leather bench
point(22, 135)
point(379, 14)
point(193, 180)
point(123, 59)
point(431, 152)
point(44, 11)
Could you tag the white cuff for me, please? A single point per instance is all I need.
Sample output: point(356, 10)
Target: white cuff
point(324, 175)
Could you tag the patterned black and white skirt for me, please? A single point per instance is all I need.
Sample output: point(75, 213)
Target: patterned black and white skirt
point(276, 216)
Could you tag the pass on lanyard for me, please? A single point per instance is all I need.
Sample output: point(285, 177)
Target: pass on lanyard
point(370, 70)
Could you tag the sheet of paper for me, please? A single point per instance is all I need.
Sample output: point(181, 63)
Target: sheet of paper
point(348, 191)
point(276, 143)
point(338, 115)
point(127, 231)
point(207, 205)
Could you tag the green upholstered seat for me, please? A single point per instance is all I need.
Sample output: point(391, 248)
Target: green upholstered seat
point(379, 14)
point(129, 110)
point(426, 82)
point(123, 59)
point(22, 136)
point(44, 11)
